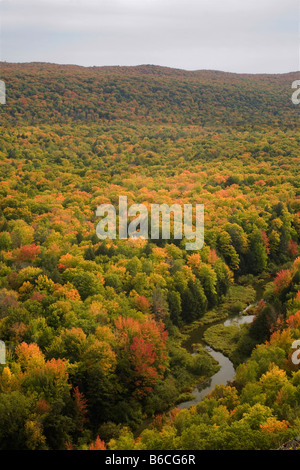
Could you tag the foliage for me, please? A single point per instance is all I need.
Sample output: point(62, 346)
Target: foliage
point(92, 327)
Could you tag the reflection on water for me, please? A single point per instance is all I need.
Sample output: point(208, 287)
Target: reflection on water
point(240, 318)
point(226, 372)
point(240, 321)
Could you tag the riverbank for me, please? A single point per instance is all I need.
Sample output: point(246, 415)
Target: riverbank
point(197, 364)
point(218, 333)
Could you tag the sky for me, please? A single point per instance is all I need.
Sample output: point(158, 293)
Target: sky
point(242, 36)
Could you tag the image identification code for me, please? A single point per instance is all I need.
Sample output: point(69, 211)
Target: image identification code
point(152, 459)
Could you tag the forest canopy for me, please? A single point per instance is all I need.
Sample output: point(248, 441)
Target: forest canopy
point(93, 328)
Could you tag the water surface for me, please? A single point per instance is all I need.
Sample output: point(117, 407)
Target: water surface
point(226, 372)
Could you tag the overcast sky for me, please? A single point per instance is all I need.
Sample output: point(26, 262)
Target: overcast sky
point(248, 36)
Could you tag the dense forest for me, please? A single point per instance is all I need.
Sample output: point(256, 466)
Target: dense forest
point(94, 329)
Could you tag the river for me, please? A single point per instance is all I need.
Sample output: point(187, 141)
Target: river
point(226, 372)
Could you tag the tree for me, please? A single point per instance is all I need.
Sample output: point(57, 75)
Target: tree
point(174, 302)
point(14, 411)
point(80, 410)
point(5, 241)
point(143, 353)
point(159, 304)
point(21, 233)
point(272, 382)
point(194, 301)
point(87, 283)
point(29, 356)
point(225, 247)
point(257, 255)
point(70, 344)
point(208, 279)
point(98, 444)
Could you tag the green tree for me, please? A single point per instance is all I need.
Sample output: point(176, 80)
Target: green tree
point(257, 255)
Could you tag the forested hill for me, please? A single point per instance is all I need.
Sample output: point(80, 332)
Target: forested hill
point(93, 329)
point(43, 92)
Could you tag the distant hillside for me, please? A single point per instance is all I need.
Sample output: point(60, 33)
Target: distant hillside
point(42, 92)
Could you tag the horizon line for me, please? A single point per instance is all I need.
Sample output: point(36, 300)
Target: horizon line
point(145, 65)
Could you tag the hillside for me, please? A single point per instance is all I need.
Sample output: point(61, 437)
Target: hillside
point(41, 92)
point(95, 330)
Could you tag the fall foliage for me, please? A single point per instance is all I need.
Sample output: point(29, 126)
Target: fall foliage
point(93, 328)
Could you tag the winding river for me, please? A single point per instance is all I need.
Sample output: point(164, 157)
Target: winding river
point(226, 372)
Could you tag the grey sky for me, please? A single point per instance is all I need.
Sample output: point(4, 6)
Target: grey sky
point(253, 36)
